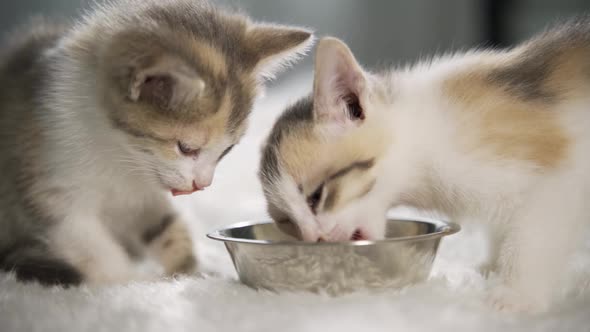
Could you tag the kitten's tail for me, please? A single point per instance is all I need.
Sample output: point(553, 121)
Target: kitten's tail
point(34, 264)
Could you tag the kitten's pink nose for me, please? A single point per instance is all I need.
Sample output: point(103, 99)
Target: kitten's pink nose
point(201, 184)
point(309, 234)
point(203, 178)
point(196, 187)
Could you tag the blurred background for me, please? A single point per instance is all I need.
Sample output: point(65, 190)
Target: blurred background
point(379, 31)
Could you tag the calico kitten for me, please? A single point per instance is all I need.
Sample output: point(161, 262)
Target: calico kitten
point(102, 118)
point(494, 136)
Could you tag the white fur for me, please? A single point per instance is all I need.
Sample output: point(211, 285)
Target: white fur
point(106, 186)
point(453, 300)
point(111, 191)
point(536, 218)
point(540, 216)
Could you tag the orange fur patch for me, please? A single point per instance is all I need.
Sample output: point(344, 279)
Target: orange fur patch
point(199, 133)
point(570, 74)
point(310, 158)
point(210, 57)
point(510, 127)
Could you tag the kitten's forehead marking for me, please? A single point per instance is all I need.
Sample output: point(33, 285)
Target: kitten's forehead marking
point(298, 115)
point(225, 75)
point(210, 57)
point(293, 120)
point(137, 133)
point(295, 144)
point(163, 128)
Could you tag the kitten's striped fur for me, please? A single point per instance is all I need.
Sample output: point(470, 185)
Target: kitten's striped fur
point(93, 116)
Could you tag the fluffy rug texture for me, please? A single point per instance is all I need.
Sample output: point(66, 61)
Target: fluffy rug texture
point(454, 299)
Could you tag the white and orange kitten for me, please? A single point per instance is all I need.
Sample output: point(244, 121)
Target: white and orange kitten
point(500, 137)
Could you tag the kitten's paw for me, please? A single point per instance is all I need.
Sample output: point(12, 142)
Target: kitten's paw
point(173, 248)
point(487, 269)
point(509, 300)
point(102, 273)
point(187, 266)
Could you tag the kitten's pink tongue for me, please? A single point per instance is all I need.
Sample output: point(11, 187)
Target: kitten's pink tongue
point(176, 192)
point(356, 236)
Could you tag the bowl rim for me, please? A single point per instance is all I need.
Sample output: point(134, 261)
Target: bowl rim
point(445, 228)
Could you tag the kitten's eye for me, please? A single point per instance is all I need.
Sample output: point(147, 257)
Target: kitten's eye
point(187, 151)
point(314, 199)
point(355, 110)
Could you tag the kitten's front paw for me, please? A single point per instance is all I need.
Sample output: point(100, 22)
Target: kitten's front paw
point(487, 269)
point(173, 248)
point(507, 299)
point(108, 272)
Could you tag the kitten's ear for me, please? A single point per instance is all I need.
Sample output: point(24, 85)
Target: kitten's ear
point(166, 83)
point(339, 84)
point(274, 47)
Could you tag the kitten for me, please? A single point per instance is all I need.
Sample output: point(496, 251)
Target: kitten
point(103, 118)
point(494, 136)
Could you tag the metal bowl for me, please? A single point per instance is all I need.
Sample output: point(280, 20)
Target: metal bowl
point(266, 258)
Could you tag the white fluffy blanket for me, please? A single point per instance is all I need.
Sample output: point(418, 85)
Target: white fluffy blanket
point(454, 299)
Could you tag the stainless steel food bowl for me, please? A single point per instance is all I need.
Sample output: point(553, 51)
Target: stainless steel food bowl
point(266, 258)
